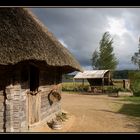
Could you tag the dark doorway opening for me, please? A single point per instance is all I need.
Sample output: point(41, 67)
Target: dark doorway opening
point(34, 78)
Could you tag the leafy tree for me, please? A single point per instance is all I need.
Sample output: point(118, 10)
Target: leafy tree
point(136, 58)
point(95, 58)
point(105, 58)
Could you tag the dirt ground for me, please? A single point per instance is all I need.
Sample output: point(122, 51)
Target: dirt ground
point(93, 113)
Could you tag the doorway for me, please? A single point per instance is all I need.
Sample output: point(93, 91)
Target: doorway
point(34, 96)
point(34, 78)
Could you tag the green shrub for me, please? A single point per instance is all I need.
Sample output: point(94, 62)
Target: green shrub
point(113, 89)
point(135, 86)
point(135, 82)
point(76, 87)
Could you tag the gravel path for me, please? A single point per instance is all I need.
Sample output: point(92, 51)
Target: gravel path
point(92, 113)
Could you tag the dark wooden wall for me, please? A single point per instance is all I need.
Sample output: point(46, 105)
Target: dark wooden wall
point(14, 100)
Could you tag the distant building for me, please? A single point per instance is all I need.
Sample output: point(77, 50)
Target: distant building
point(95, 77)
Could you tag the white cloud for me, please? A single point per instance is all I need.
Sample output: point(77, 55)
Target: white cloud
point(125, 41)
point(80, 30)
point(116, 26)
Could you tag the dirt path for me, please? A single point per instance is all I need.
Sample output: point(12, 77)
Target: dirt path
point(93, 113)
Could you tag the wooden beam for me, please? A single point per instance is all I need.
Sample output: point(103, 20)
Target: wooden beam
point(109, 78)
point(102, 84)
point(82, 82)
point(74, 83)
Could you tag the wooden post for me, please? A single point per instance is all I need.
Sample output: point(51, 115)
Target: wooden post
point(28, 95)
point(123, 83)
point(109, 79)
point(102, 84)
point(74, 83)
point(83, 84)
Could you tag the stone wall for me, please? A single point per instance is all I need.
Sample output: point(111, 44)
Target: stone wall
point(23, 107)
point(15, 109)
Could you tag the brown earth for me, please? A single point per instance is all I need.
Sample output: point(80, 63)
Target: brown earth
point(94, 113)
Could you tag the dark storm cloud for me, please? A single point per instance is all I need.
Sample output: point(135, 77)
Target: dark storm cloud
point(81, 30)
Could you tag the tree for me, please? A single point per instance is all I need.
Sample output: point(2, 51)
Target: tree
point(95, 58)
point(105, 58)
point(136, 58)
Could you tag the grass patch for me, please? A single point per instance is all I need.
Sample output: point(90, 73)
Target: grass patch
point(132, 99)
point(70, 86)
point(118, 84)
point(132, 108)
point(129, 106)
point(71, 92)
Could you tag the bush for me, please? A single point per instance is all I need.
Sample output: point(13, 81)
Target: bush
point(113, 89)
point(135, 86)
point(135, 82)
point(77, 87)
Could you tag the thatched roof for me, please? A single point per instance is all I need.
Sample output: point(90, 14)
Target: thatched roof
point(23, 37)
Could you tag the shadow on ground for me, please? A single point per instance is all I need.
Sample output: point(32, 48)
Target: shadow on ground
point(131, 110)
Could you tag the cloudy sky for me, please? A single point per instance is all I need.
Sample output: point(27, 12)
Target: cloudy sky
point(81, 29)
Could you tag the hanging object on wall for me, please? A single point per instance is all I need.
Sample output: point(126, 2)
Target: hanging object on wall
point(54, 96)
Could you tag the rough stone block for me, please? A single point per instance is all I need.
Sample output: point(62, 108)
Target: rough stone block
point(1, 125)
point(16, 97)
point(1, 98)
point(16, 107)
point(16, 119)
point(1, 114)
point(9, 97)
point(1, 93)
point(16, 130)
point(8, 118)
point(1, 108)
point(23, 124)
point(1, 130)
point(7, 125)
point(16, 114)
point(7, 113)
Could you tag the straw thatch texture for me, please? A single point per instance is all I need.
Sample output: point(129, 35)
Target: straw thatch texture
point(23, 37)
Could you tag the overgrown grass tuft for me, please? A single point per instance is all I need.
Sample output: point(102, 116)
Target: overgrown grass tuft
point(131, 108)
point(132, 99)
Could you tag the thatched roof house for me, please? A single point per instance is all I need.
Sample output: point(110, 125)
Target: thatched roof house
point(32, 62)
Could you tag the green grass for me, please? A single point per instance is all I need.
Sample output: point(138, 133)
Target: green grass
point(72, 83)
point(77, 86)
point(71, 92)
point(70, 86)
point(118, 84)
point(132, 99)
point(130, 108)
